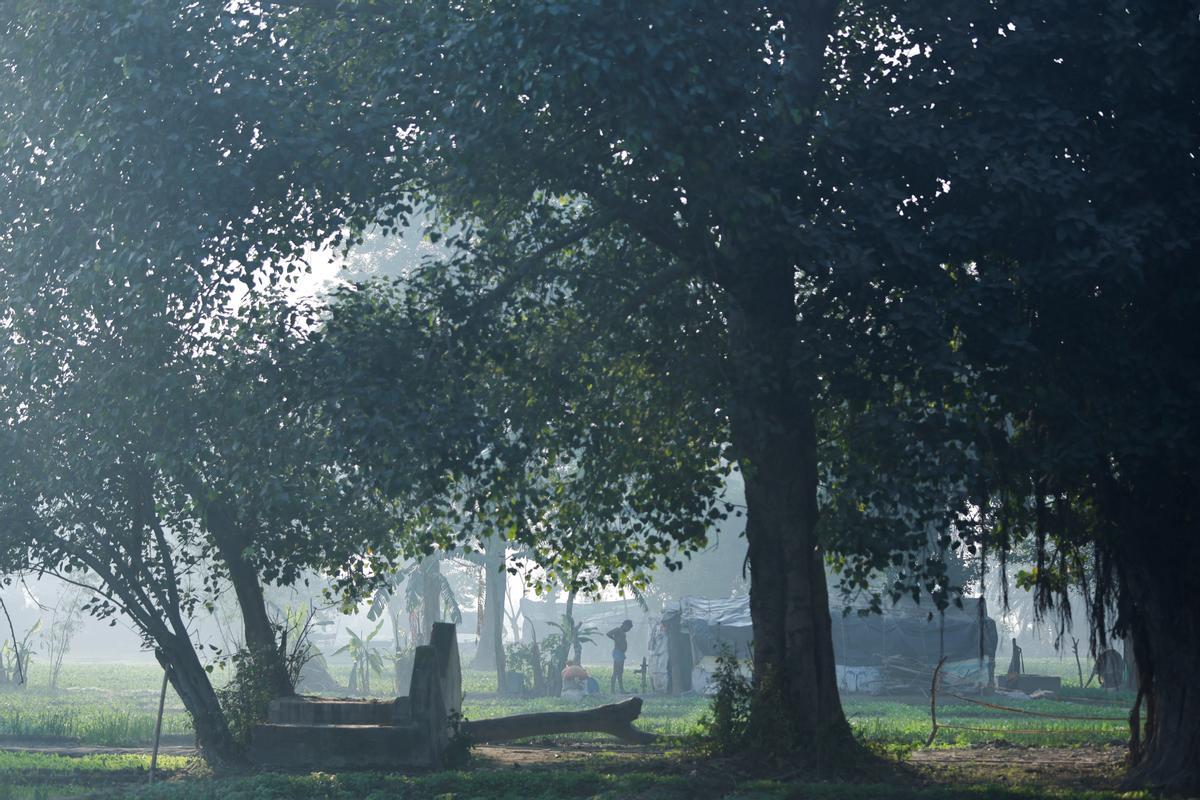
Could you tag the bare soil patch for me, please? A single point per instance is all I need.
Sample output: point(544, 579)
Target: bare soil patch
point(80, 750)
point(555, 754)
point(1094, 768)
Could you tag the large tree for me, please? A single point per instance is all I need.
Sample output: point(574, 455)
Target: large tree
point(1049, 154)
point(535, 132)
point(169, 468)
point(707, 163)
point(877, 205)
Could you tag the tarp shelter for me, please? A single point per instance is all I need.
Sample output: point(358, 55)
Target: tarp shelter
point(693, 631)
point(603, 616)
point(907, 630)
point(879, 652)
point(689, 636)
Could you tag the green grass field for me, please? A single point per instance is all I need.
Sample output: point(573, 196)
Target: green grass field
point(114, 706)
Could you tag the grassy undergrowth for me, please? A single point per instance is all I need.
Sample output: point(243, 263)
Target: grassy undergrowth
point(45, 776)
point(115, 705)
point(41, 791)
point(38, 776)
point(634, 785)
point(16, 763)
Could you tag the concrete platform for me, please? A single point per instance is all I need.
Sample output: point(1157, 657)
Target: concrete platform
point(332, 747)
point(318, 733)
point(304, 710)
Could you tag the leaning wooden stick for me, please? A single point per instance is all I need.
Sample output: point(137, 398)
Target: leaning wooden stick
point(933, 701)
point(16, 644)
point(162, 701)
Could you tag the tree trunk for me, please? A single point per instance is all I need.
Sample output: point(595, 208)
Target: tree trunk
point(1156, 572)
point(259, 632)
point(431, 595)
point(615, 719)
point(796, 703)
point(554, 679)
point(191, 683)
point(498, 649)
point(539, 677)
point(497, 592)
point(1131, 675)
point(401, 666)
point(492, 619)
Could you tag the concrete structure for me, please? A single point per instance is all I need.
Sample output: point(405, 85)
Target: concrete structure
point(317, 733)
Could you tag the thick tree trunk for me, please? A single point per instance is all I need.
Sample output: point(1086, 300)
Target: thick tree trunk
point(191, 683)
point(222, 522)
point(1156, 572)
point(493, 604)
point(796, 702)
point(497, 644)
point(259, 632)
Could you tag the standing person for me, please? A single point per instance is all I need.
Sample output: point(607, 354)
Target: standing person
point(620, 648)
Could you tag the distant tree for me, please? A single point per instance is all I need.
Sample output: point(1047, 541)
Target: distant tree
point(66, 617)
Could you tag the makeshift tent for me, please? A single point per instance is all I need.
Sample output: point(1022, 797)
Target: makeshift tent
point(603, 616)
point(897, 649)
point(689, 636)
point(874, 652)
point(914, 632)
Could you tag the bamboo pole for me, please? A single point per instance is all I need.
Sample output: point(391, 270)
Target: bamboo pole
point(933, 685)
point(162, 701)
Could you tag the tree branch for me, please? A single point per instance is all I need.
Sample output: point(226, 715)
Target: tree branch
point(16, 643)
point(341, 9)
point(527, 267)
point(93, 589)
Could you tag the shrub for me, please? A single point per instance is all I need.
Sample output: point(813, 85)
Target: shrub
point(247, 695)
point(727, 722)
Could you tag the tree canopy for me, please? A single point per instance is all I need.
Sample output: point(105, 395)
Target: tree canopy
point(921, 275)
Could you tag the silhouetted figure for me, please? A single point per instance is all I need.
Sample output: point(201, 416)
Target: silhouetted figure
point(620, 648)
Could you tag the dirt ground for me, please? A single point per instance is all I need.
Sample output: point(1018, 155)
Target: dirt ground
point(1093, 768)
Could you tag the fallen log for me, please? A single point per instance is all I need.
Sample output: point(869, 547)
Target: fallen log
point(615, 719)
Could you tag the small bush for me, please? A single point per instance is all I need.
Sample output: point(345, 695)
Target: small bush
point(727, 722)
point(458, 748)
point(247, 696)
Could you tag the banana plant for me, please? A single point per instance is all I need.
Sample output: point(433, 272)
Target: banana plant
point(15, 657)
point(365, 659)
point(576, 634)
point(406, 589)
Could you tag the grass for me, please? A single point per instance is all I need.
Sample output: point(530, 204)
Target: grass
point(633, 785)
point(41, 791)
point(114, 705)
point(98, 706)
point(890, 722)
point(42, 776)
point(34, 775)
point(84, 719)
point(14, 763)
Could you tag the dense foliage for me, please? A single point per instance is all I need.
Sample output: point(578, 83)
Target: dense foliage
point(924, 278)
